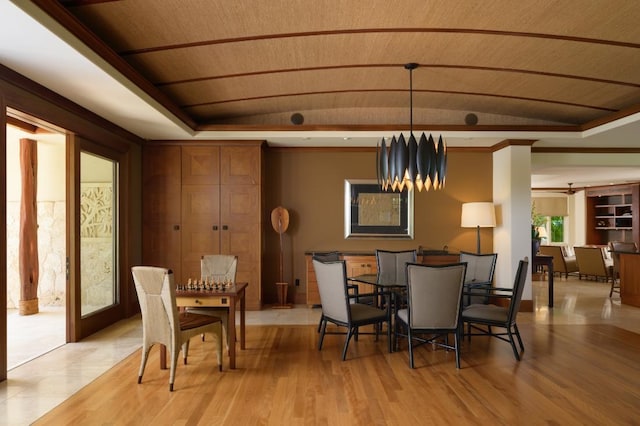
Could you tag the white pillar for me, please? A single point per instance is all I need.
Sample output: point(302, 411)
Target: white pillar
point(512, 198)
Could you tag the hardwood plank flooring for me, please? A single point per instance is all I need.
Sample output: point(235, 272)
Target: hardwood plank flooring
point(569, 374)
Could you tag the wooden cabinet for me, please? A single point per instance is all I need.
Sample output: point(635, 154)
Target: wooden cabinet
point(363, 263)
point(204, 199)
point(355, 265)
point(360, 265)
point(613, 214)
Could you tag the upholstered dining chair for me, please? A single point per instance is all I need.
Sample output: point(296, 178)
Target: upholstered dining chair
point(392, 267)
point(433, 309)
point(615, 247)
point(163, 324)
point(479, 276)
point(327, 256)
point(219, 268)
point(483, 318)
point(338, 309)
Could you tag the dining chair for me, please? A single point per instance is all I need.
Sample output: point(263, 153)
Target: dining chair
point(433, 309)
point(338, 309)
point(392, 265)
point(163, 324)
point(218, 268)
point(392, 268)
point(483, 317)
point(328, 256)
point(614, 248)
point(479, 276)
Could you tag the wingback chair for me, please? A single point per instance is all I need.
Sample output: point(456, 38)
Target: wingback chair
point(592, 262)
point(563, 263)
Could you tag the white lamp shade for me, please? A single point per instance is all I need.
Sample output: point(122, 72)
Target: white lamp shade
point(542, 232)
point(478, 214)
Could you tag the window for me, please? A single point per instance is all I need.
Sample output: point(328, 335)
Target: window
point(556, 224)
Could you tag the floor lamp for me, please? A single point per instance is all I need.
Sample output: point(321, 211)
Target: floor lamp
point(478, 215)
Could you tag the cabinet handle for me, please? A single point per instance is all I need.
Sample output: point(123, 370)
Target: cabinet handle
point(176, 227)
point(215, 227)
point(225, 227)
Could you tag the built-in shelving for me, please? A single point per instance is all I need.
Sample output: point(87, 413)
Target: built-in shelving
point(612, 214)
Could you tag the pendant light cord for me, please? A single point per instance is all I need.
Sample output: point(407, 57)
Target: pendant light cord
point(410, 101)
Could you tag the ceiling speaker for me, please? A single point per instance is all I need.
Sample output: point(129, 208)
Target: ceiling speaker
point(471, 119)
point(297, 118)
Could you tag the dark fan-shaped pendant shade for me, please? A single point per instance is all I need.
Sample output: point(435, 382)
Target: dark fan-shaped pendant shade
point(410, 164)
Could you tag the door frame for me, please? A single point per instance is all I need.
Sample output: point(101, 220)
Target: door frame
point(77, 326)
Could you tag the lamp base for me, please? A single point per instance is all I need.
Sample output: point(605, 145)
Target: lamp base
point(478, 240)
point(282, 296)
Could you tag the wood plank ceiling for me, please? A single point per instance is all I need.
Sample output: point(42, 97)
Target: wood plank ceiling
point(530, 64)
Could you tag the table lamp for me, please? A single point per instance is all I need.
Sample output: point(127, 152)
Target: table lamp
point(478, 215)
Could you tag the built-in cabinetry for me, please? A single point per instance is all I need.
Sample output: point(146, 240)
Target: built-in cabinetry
point(365, 263)
point(613, 214)
point(629, 270)
point(203, 198)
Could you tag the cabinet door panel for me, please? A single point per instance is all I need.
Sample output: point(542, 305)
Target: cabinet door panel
point(360, 265)
point(161, 206)
point(161, 183)
point(201, 226)
point(240, 165)
point(200, 165)
point(239, 204)
point(161, 245)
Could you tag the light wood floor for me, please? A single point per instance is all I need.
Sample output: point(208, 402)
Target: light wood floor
point(569, 374)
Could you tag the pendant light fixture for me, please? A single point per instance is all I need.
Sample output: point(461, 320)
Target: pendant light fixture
point(407, 164)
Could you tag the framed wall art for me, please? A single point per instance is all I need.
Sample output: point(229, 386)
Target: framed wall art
point(370, 212)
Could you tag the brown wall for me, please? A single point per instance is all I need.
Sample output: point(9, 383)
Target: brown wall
point(310, 184)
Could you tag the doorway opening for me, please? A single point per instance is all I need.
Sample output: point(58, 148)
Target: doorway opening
point(32, 335)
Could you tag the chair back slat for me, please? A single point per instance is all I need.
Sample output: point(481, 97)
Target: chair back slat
point(434, 295)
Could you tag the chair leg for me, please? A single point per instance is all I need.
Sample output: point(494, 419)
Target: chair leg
point(143, 361)
point(346, 342)
point(172, 371)
point(323, 329)
point(389, 336)
point(513, 344)
point(515, 327)
point(410, 341)
point(218, 338)
point(185, 351)
point(457, 348)
point(320, 323)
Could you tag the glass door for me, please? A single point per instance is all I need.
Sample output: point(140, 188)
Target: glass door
point(98, 232)
point(94, 297)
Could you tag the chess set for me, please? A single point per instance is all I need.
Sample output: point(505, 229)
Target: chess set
point(208, 284)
